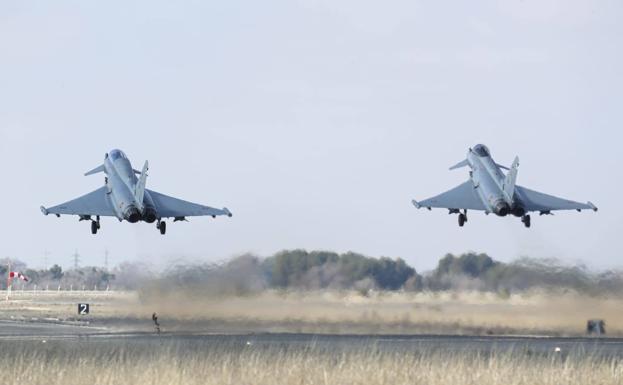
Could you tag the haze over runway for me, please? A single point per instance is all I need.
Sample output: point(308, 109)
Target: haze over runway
point(314, 122)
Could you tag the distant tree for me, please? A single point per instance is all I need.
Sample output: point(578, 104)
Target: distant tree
point(289, 266)
point(57, 272)
point(391, 274)
point(33, 275)
point(469, 264)
point(321, 269)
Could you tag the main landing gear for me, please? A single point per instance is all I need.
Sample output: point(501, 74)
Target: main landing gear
point(162, 226)
point(526, 220)
point(462, 218)
point(462, 215)
point(95, 224)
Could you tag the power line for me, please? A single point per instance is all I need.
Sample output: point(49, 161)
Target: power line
point(76, 258)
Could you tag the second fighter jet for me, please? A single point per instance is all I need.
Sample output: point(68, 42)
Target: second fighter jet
point(489, 190)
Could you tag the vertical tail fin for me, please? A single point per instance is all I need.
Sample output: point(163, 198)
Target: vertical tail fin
point(95, 170)
point(510, 179)
point(139, 192)
point(463, 163)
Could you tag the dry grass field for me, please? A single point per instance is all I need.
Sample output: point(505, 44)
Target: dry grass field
point(168, 362)
point(167, 359)
point(538, 313)
point(393, 312)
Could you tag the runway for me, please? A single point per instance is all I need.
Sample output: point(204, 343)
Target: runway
point(52, 331)
point(28, 329)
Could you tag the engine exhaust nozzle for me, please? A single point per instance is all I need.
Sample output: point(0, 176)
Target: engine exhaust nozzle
point(149, 215)
point(518, 211)
point(502, 209)
point(132, 215)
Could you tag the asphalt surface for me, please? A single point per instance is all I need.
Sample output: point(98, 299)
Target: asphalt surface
point(49, 330)
point(16, 329)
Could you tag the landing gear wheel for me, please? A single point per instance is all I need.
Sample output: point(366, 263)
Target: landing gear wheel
point(462, 220)
point(163, 228)
point(526, 220)
point(94, 227)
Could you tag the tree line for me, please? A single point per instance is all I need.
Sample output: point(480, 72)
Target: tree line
point(315, 270)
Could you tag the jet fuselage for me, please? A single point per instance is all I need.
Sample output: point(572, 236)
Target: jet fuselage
point(488, 180)
point(122, 186)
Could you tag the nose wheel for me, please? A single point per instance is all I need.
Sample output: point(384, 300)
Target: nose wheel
point(526, 220)
point(162, 226)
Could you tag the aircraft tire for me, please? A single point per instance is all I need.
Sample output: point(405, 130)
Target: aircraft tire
point(94, 227)
point(526, 221)
point(462, 220)
point(163, 227)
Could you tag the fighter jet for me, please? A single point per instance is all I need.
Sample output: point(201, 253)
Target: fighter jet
point(489, 190)
point(125, 197)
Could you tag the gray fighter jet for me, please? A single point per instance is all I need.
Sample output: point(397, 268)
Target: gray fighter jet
point(124, 196)
point(489, 190)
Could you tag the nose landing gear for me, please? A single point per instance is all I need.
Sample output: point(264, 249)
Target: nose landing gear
point(162, 226)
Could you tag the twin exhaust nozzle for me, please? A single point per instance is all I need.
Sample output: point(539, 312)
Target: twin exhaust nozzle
point(133, 215)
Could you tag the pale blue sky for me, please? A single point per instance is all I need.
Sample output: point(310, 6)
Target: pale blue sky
point(315, 122)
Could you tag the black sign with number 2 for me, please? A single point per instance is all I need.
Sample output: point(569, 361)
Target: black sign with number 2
point(83, 308)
